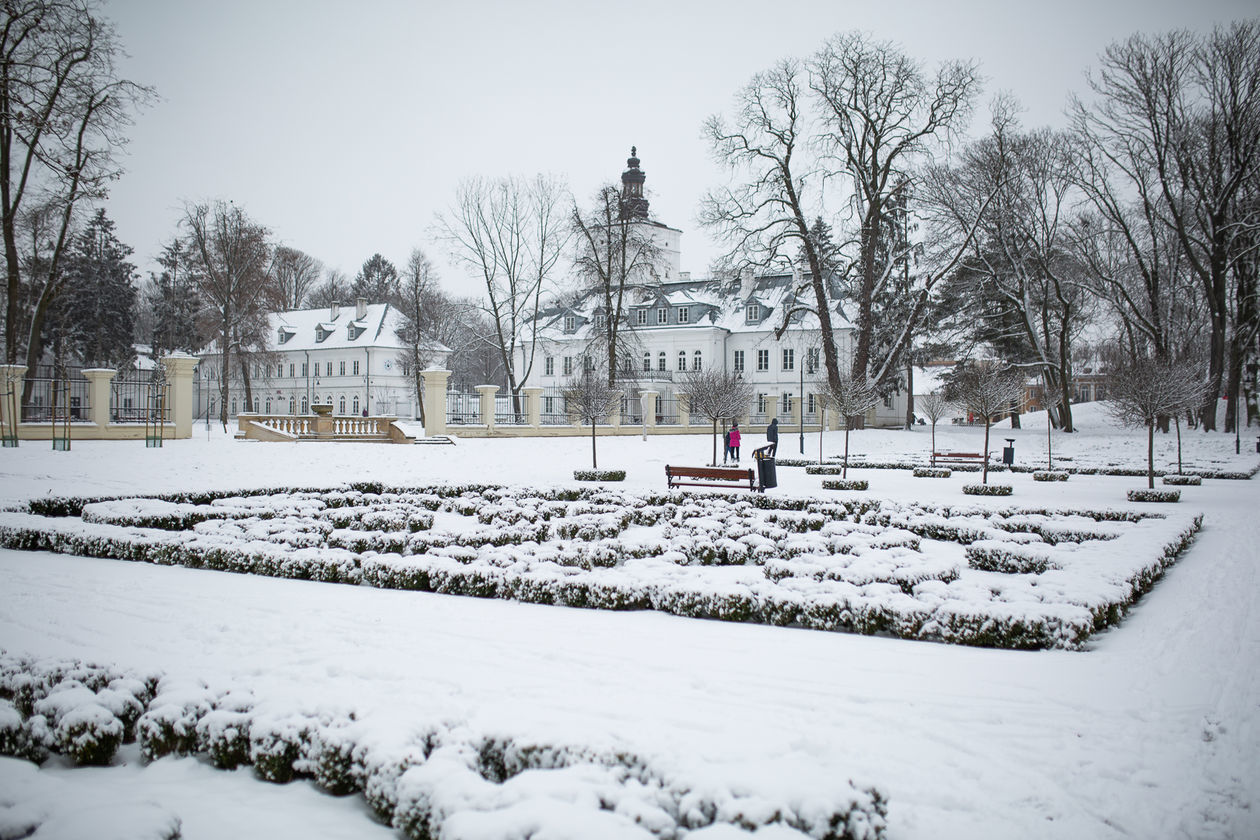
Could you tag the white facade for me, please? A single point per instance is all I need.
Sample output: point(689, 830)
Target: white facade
point(349, 357)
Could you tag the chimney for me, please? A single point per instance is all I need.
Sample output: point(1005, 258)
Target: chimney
point(334, 311)
point(745, 284)
point(360, 308)
point(684, 276)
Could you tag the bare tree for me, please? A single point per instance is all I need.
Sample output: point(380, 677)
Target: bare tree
point(881, 114)
point(424, 309)
point(1145, 390)
point(510, 232)
point(1022, 290)
point(231, 254)
point(294, 275)
point(934, 406)
point(851, 397)
point(615, 258)
point(63, 109)
point(763, 217)
point(336, 288)
point(986, 389)
point(717, 395)
point(1175, 117)
point(590, 398)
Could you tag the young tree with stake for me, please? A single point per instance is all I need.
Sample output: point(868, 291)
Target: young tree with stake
point(718, 395)
point(986, 389)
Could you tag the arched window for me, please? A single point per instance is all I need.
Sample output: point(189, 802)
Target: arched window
point(696, 362)
point(682, 360)
point(255, 405)
point(341, 405)
point(647, 362)
point(355, 409)
point(234, 411)
point(305, 406)
point(292, 405)
point(660, 361)
point(268, 404)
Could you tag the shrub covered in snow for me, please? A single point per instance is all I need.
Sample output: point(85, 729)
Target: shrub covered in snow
point(1143, 495)
point(987, 489)
point(1050, 475)
point(1183, 480)
point(599, 475)
point(932, 472)
point(824, 469)
point(845, 484)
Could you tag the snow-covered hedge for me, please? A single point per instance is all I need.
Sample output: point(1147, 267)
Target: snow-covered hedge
point(823, 469)
point(987, 489)
point(599, 475)
point(444, 778)
point(1183, 480)
point(845, 484)
point(932, 472)
point(1154, 495)
point(842, 564)
point(1050, 475)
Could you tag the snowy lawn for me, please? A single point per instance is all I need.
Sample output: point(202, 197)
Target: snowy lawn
point(1151, 730)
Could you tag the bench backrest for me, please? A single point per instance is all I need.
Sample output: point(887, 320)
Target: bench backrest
point(723, 473)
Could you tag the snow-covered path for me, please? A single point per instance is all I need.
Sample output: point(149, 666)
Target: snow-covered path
point(1151, 733)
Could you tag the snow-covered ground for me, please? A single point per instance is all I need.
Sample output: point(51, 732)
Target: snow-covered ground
point(1152, 731)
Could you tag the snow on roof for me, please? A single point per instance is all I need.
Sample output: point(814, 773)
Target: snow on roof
point(379, 327)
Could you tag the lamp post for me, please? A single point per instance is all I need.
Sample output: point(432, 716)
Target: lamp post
point(800, 366)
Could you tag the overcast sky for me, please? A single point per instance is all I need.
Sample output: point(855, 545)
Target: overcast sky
point(344, 127)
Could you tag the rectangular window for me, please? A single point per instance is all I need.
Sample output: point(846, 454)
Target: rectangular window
point(761, 403)
point(549, 366)
point(682, 360)
point(787, 403)
point(789, 359)
point(642, 317)
point(568, 365)
point(660, 361)
point(304, 367)
point(753, 313)
point(549, 405)
point(327, 368)
point(341, 371)
point(811, 404)
point(356, 367)
point(739, 361)
point(570, 323)
point(662, 316)
point(292, 370)
point(684, 314)
point(280, 370)
point(763, 360)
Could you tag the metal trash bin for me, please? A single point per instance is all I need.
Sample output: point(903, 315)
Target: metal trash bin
point(1008, 452)
point(767, 475)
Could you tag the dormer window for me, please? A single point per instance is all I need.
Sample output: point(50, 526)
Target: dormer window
point(684, 314)
point(353, 331)
point(321, 333)
point(642, 317)
point(570, 323)
point(283, 335)
point(662, 315)
point(753, 313)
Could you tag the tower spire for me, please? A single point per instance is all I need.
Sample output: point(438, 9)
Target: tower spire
point(633, 203)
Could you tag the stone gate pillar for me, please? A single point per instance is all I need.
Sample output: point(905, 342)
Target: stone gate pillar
point(179, 378)
point(435, 401)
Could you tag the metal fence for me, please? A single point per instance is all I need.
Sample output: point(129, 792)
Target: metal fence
point(37, 394)
point(554, 412)
point(135, 396)
point(463, 408)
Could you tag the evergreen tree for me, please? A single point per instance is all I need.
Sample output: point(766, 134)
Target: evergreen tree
point(97, 307)
point(174, 302)
point(377, 281)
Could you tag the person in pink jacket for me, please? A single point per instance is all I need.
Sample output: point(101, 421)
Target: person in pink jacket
point(735, 441)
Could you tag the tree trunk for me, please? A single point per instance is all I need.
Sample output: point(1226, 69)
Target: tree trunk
point(985, 452)
point(845, 472)
point(909, 395)
point(1150, 456)
point(1178, 421)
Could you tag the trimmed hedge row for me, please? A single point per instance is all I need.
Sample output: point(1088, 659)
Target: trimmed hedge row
point(1183, 480)
point(845, 484)
point(932, 472)
point(412, 785)
point(987, 489)
point(1050, 475)
point(599, 475)
point(1125, 472)
point(1154, 495)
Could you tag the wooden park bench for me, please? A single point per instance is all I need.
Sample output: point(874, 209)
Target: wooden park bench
point(976, 458)
point(728, 478)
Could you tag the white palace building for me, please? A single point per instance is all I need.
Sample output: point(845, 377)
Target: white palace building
point(682, 324)
point(351, 358)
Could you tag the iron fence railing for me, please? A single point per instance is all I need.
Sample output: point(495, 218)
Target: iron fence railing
point(136, 396)
point(36, 394)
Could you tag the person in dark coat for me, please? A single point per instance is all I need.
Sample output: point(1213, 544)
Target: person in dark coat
point(772, 437)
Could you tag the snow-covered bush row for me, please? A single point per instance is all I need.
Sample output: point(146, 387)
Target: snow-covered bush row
point(824, 469)
point(1010, 558)
point(856, 565)
point(987, 489)
point(932, 472)
point(438, 778)
point(845, 484)
point(1050, 475)
point(599, 475)
point(1183, 480)
point(1135, 471)
point(1154, 495)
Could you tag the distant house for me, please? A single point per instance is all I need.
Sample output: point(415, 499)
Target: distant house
point(351, 358)
point(677, 324)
